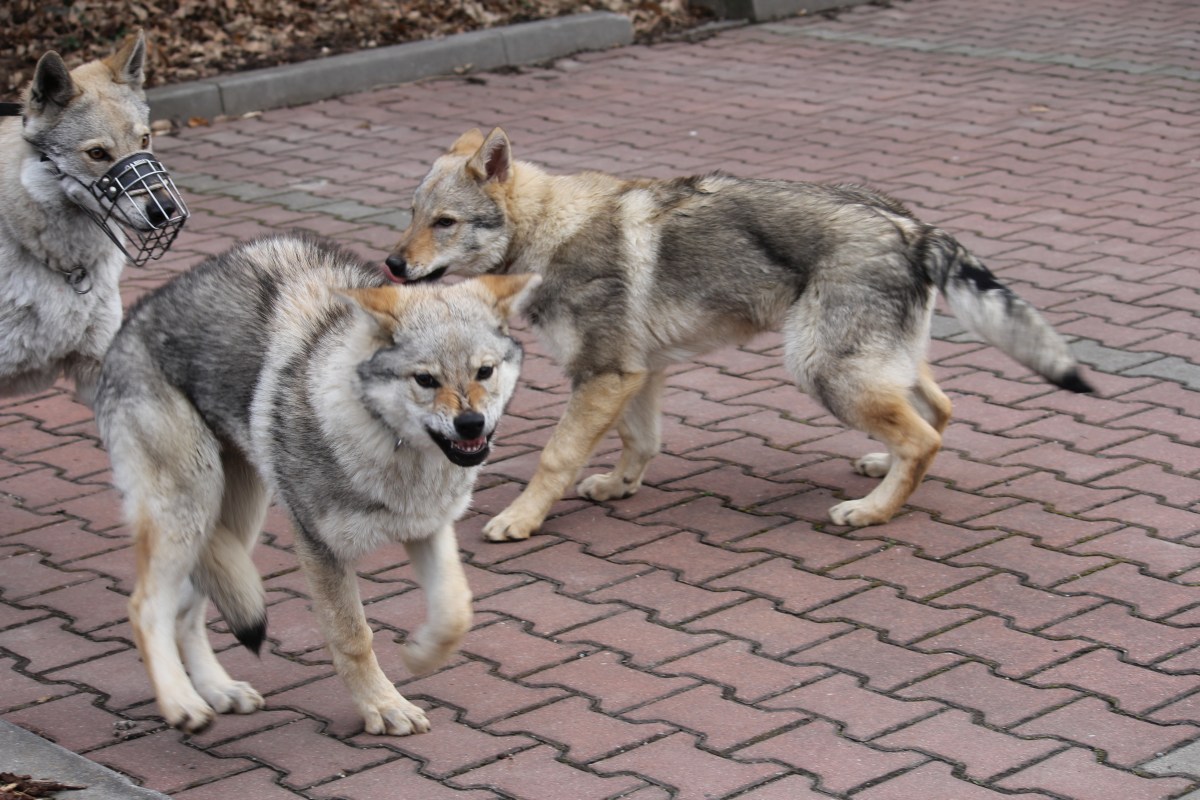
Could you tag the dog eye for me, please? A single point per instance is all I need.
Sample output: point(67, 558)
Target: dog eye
point(145, 141)
point(444, 222)
point(484, 373)
point(98, 154)
point(426, 381)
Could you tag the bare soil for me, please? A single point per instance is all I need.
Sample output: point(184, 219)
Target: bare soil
point(191, 39)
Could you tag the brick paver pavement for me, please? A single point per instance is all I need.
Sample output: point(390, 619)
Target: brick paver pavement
point(1026, 628)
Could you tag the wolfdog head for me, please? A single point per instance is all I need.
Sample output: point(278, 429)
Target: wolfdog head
point(91, 128)
point(460, 221)
point(449, 365)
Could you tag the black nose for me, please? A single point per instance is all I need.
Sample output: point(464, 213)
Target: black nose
point(398, 266)
point(159, 212)
point(469, 424)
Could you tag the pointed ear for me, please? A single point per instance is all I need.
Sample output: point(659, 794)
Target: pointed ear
point(128, 64)
point(468, 143)
point(383, 304)
point(52, 87)
point(507, 294)
point(493, 160)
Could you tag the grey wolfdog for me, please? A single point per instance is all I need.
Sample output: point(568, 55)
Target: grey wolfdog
point(77, 184)
point(289, 367)
point(642, 274)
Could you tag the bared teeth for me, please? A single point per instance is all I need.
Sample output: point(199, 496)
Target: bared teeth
point(470, 445)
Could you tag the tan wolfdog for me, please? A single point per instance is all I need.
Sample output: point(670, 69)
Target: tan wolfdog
point(642, 274)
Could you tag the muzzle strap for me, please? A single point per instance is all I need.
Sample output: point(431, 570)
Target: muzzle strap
point(139, 196)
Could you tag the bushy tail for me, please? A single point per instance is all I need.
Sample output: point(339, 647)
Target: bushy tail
point(228, 576)
point(993, 312)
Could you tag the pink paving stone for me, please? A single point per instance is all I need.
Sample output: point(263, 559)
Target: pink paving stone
point(1126, 741)
point(77, 723)
point(17, 690)
point(885, 666)
point(789, 787)
point(644, 642)
point(1146, 512)
point(162, 761)
point(915, 576)
point(839, 763)
point(884, 609)
point(813, 549)
point(1139, 640)
point(1134, 689)
point(862, 713)
point(1052, 530)
point(536, 774)
point(720, 722)
point(259, 784)
point(586, 734)
point(936, 781)
point(716, 521)
point(605, 679)
point(687, 554)
point(1149, 596)
point(676, 761)
point(25, 575)
point(1038, 566)
point(955, 736)
point(1006, 596)
point(49, 645)
point(545, 608)
point(1013, 653)
point(302, 753)
point(482, 695)
point(1075, 773)
point(568, 566)
point(602, 534)
point(931, 538)
point(750, 676)
point(776, 632)
point(514, 650)
point(669, 600)
point(779, 579)
point(400, 778)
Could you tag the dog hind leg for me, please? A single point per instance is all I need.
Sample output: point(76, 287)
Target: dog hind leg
point(641, 437)
point(934, 407)
point(593, 408)
point(448, 598)
point(227, 574)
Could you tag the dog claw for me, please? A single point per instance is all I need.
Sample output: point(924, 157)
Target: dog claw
point(502, 530)
point(607, 486)
point(855, 514)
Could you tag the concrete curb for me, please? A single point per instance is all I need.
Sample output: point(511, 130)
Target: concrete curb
point(321, 79)
point(27, 754)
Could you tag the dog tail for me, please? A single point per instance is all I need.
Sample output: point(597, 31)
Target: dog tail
point(228, 576)
point(993, 312)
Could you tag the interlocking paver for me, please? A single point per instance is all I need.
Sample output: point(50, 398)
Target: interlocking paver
point(1022, 629)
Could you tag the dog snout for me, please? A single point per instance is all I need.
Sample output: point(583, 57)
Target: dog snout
point(397, 265)
point(160, 210)
point(469, 424)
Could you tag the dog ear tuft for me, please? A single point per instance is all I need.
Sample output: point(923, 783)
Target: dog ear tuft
point(128, 64)
point(52, 86)
point(493, 160)
point(507, 294)
point(382, 304)
point(468, 143)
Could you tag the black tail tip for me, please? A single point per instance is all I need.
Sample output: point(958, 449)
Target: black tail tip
point(252, 636)
point(1074, 382)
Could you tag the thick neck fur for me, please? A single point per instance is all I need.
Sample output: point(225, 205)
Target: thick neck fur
point(548, 210)
point(39, 217)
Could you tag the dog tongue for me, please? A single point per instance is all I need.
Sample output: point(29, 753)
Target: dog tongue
point(391, 276)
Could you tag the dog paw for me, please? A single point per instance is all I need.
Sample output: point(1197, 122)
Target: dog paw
point(874, 465)
point(237, 697)
point(506, 527)
point(190, 715)
point(857, 514)
point(607, 486)
point(394, 716)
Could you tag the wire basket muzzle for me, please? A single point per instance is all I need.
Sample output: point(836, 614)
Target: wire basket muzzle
point(139, 196)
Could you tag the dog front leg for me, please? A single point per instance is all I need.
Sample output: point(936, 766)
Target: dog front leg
point(641, 437)
point(448, 598)
point(594, 406)
point(344, 625)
